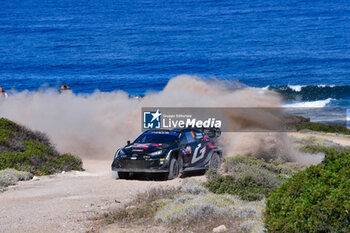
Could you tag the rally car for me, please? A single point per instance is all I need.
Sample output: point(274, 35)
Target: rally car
point(169, 152)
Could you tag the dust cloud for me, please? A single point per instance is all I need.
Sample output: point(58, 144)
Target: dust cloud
point(94, 126)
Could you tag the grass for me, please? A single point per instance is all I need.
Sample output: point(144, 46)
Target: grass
point(319, 127)
point(32, 152)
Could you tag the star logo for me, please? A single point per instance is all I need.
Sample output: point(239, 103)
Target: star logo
point(156, 115)
point(152, 120)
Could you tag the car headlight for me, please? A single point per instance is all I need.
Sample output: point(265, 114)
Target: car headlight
point(119, 153)
point(155, 153)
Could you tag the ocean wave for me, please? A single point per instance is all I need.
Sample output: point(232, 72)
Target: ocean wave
point(296, 88)
point(311, 92)
point(309, 104)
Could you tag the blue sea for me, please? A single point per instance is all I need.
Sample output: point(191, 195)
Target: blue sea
point(298, 48)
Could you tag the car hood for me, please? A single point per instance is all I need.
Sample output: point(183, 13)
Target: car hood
point(144, 148)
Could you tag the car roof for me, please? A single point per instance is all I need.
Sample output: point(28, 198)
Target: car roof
point(177, 130)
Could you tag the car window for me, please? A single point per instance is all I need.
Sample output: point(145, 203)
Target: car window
point(199, 135)
point(183, 139)
point(157, 137)
point(187, 138)
point(190, 137)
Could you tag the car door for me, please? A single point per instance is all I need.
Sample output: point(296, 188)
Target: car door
point(200, 150)
point(193, 150)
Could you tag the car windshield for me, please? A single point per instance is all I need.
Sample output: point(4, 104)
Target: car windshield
point(157, 137)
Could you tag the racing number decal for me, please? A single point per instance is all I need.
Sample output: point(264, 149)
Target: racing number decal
point(201, 153)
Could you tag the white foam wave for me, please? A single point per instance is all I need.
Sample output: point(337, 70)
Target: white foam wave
point(324, 85)
point(309, 104)
point(296, 88)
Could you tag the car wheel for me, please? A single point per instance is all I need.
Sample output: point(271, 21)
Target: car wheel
point(215, 161)
point(123, 175)
point(173, 169)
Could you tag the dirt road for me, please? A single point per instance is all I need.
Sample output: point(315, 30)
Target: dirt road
point(65, 202)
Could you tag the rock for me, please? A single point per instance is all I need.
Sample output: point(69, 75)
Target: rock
point(221, 228)
point(294, 120)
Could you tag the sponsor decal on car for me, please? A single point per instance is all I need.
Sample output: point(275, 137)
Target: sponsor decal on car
point(187, 150)
point(145, 146)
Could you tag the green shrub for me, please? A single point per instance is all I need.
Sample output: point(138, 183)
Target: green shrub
point(314, 200)
point(29, 151)
point(246, 188)
point(244, 166)
point(39, 159)
point(248, 177)
point(12, 135)
point(323, 128)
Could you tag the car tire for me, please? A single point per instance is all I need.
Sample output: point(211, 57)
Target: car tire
point(215, 161)
point(123, 175)
point(173, 169)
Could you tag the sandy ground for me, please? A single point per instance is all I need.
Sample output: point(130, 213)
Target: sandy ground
point(66, 202)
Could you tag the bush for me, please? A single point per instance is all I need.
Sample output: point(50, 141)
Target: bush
point(143, 207)
point(246, 188)
point(193, 187)
point(317, 142)
point(248, 225)
point(248, 177)
point(323, 128)
point(11, 176)
point(12, 135)
point(39, 159)
point(314, 200)
point(261, 171)
point(203, 212)
point(182, 211)
point(189, 208)
point(313, 149)
point(29, 151)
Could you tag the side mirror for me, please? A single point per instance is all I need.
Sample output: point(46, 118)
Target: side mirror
point(211, 134)
point(128, 142)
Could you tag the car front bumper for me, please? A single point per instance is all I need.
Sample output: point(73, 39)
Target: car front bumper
point(146, 166)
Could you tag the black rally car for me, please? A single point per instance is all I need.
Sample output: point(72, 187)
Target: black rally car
point(169, 152)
